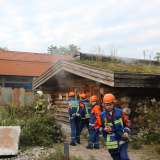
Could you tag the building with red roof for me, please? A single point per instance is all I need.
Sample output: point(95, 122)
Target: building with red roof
point(17, 69)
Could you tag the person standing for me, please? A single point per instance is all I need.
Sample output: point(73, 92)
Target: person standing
point(74, 118)
point(85, 111)
point(116, 130)
point(94, 123)
point(41, 102)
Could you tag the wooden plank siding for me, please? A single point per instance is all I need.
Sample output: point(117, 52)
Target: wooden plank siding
point(137, 80)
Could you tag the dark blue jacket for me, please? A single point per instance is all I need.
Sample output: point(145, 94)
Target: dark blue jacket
point(115, 120)
point(84, 107)
point(73, 106)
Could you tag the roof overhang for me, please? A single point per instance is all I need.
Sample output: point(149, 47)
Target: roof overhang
point(109, 78)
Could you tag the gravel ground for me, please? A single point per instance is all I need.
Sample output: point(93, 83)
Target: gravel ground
point(146, 153)
point(36, 153)
point(33, 153)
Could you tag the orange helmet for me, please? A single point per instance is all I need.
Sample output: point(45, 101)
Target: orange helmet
point(71, 94)
point(93, 98)
point(83, 95)
point(108, 98)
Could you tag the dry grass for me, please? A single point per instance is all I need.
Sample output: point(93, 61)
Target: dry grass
point(116, 66)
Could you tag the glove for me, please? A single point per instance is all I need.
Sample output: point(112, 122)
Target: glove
point(125, 136)
point(127, 130)
point(91, 124)
point(78, 115)
point(73, 115)
point(108, 129)
point(87, 116)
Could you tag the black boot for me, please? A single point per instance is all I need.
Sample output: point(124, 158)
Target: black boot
point(90, 146)
point(78, 141)
point(72, 143)
point(96, 146)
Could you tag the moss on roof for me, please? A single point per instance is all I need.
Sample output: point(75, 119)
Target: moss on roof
point(117, 66)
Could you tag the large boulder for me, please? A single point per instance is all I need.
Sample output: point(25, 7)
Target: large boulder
point(9, 140)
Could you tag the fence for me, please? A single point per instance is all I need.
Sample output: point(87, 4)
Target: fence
point(15, 97)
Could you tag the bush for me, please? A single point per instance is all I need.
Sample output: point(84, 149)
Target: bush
point(146, 121)
point(41, 130)
point(36, 128)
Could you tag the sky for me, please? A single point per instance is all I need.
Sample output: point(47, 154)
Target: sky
point(130, 27)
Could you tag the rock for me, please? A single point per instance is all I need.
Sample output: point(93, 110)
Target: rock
point(9, 140)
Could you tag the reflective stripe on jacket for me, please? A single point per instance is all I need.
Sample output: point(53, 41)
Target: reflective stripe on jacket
point(111, 141)
point(73, 106)
point(116, 123)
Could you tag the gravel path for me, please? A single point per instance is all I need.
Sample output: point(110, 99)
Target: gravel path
point(146, 153)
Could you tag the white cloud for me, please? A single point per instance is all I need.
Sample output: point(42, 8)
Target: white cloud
point(33, 25)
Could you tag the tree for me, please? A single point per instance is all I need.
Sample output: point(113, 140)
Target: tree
point(71, 49)
point(52, 49)
point(157, 56)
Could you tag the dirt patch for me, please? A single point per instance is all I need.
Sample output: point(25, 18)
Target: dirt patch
point(146, 153)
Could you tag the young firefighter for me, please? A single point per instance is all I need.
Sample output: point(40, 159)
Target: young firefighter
point(85, 111)
point(115, 129)
point(41, 103)
point(74, 119)
point(94, 124)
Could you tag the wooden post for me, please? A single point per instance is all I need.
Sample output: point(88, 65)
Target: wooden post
point(66, 151)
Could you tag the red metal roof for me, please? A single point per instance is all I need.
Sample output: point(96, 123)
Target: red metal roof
point(27, 63)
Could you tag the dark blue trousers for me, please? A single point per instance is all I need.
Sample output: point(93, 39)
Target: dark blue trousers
point(75, 129)
point(93, 137)
point(114, 154)
point(120, 153)
point(84, 123)
point(123, 150)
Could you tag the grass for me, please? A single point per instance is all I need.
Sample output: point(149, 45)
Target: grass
point(116, 66)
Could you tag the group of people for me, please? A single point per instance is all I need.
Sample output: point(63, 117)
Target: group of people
point(107, 118)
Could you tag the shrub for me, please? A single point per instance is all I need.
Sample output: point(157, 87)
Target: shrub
point(146, 121)
point(41, 130)
point(36, 128)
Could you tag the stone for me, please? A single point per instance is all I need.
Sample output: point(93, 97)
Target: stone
point(9, 140)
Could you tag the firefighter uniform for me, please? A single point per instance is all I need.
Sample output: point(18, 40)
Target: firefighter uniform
point(85, 111)
point(115, 129)
point(41, 102)
point(94, 124)
point(74, 119)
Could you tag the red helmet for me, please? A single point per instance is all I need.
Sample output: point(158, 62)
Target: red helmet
point(71, 94)
point(108, 98)
point(83, 95)
point(93, 98)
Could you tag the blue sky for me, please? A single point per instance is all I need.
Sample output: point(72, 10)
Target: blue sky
point(129, 26)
